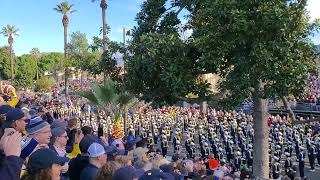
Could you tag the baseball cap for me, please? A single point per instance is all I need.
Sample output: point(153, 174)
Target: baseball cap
point(85, 143)
point(95, 150)
point(59, 124)
point(156, 174)
point(125, 173)
point(5, 108)
point(11, 116)
point(43, 158)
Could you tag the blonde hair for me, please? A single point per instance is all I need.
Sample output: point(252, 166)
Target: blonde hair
point(106, 172)
point(158, 161)
point(124, 160)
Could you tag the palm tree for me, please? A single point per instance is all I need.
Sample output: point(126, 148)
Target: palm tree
point(103, 5)
point(108, 99)
point(10, 31)
point(65, 9)
point(35, 53)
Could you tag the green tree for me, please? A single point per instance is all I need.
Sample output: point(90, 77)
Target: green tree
point(160, 65)
point(25, 71)
point(43, 85)
point(260, 49)
point(10, 31)
point(4, 63)
point(36, 55)
point(78, 48)
point(65, 9)
point(52, 62)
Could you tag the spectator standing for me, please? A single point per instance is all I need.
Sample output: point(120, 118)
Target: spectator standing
point(97, 158)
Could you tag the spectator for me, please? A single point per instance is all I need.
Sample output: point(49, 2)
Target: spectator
point(44, 164)
point(77, 164)
point(10, 149)
point(40, 130)
point(97, 158)
point(16, 119)
point(107, 171)
point(125, 173)
point(156, 174)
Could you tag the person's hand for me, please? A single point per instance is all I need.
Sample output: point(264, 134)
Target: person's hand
point(78, 137)
point(12, 144)
point(104, 140)
point(7, 132)
point(64, 168)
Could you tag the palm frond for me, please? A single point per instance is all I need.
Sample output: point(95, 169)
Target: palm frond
point(90, 96)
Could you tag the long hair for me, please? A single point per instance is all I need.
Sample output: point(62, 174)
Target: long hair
point(43, 174)
point(107, 171)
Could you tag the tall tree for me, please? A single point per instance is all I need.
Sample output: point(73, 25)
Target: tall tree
point(10, 31)
point(260, 49)
point(103, 6)
point(5, 63)
point(160, 65)
point(65, 9)
point(78, 48)
point(36, 55)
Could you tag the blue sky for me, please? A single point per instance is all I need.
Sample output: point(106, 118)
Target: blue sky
point(41, 27)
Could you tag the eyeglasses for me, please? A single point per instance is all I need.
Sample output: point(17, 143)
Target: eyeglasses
point(64, 136)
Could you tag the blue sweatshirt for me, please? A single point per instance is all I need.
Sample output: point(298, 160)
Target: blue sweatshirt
point(11, 167)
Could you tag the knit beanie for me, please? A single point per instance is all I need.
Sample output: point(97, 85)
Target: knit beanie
point(37, 124)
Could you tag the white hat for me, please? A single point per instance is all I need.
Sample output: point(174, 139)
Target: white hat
point(95, 150)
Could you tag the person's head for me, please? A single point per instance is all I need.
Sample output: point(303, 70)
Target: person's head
point(59, 136)
point(97, 155)
point(124, 160)
point(73, 123)
point(85, 143)
point(87, 130)
point(143, 164)
point(16, 119)
point(187, 165)
point(39, 130)
point(45, 163)
point(140, 154)
point(125, 173)
point(106, 172)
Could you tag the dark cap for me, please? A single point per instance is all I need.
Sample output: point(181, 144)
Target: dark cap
point(125, 173)
point(85, 143)
point(5, 108)
point(14, 114)
point(156, 174)
point(43, 159)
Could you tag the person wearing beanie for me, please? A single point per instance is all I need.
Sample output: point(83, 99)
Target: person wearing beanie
point(16, 119)
point(40, 131)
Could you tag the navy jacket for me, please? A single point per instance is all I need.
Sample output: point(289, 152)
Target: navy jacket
point(89, 173)
point(10, 167)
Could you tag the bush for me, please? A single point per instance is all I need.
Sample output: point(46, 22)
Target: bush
point(43, 85)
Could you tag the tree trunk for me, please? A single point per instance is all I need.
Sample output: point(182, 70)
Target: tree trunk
point(289, 110)
point(103, 6)
point(261, 135)
point(11, 63)
point(124, 123)
point(65, 29)
point(81, 79)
